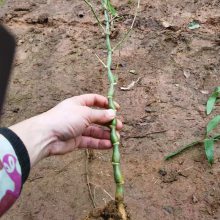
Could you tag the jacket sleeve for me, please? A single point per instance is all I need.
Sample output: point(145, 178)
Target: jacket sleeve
point(14, 168)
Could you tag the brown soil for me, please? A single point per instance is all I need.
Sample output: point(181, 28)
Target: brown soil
point(164, 110)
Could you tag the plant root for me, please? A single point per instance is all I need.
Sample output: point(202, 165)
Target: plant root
point(112, 211)
point(122, 211)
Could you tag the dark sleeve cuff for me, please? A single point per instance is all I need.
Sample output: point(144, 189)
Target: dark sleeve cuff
point(20, 150)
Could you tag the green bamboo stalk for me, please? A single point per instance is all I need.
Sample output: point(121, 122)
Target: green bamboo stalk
point(115, 140)
point(118, 177)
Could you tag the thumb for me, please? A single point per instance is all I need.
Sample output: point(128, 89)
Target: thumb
point(101, 116)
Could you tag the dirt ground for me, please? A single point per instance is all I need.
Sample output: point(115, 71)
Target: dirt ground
point(177, 68)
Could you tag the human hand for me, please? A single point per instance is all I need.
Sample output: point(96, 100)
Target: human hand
point(69, 125)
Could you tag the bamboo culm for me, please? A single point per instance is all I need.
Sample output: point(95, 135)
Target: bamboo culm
point(119, 180)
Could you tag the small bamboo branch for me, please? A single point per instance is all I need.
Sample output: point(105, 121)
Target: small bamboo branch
point(100, 60)
point(95, 15)
point(124, 38)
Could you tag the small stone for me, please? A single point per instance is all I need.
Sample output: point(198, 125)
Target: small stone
point(205, 92)
point(166, 24)
point(43, 18)
point(20, 42)
point(186, 74)
point(181, 162)
point(212, 193)
point(133, 72)
point(31, 40)
point(168, 209)
point(162, 172)
point(194, 199)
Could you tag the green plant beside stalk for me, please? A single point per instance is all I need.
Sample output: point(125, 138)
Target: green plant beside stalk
point(209, 140)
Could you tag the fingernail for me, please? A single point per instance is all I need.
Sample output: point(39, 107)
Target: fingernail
point(111, 113)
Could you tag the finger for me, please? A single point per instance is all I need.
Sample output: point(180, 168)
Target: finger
point(93, 143)
point(97, 132)
point(101, 117)
point(119, 124)
point(61, 147)
point(94, 100)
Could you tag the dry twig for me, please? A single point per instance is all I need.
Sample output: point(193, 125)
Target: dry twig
point(129, 30)
point(87, 179)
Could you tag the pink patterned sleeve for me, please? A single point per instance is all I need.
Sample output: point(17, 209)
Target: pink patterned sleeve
point(14, 168)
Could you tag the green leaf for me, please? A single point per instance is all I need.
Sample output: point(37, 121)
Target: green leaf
point(212, 124)
point(217, 89)
point(209, 150)
point(210, 103)
point(110, 8)
point(186, 147)
point(212, 100)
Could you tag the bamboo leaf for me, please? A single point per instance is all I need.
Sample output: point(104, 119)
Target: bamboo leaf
point(111, 8)
point(212, 100)
point(210, 103)
point(212, 124)
point(182, 149)
point(209, 150)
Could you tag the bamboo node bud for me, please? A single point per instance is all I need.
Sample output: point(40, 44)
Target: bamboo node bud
point(121, 183)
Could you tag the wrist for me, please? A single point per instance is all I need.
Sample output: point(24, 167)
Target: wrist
point(19, 149)
point(35, 136)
